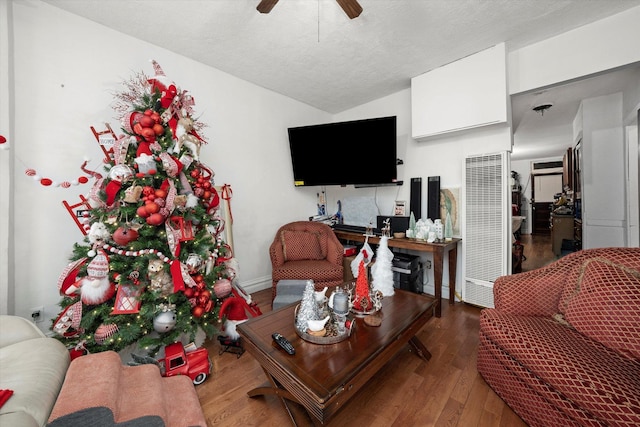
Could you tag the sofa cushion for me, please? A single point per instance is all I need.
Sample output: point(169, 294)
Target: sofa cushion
point(605, 306)
point(34, 369)
point(596, 378)
point(301, 245)
point(129, 392)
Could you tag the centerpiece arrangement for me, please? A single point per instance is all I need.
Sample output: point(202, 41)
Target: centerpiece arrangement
point(323, 320)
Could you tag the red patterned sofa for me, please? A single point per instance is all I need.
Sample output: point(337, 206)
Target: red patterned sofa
point(562, 345)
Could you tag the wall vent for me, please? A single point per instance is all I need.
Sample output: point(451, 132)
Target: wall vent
point(486, 207)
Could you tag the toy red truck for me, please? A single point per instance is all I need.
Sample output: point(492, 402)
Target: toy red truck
point(194, 363)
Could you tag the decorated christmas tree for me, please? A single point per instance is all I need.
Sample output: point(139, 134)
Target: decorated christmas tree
point(154, 253)
point(362, 299)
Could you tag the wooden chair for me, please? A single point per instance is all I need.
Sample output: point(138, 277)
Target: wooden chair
point(305, 250)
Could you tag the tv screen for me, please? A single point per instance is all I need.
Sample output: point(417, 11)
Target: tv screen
point(359, 152)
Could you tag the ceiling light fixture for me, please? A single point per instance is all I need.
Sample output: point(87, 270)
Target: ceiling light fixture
point(542, 107)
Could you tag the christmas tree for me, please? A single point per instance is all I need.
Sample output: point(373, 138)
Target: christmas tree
point(147, 269)
point(362, 299)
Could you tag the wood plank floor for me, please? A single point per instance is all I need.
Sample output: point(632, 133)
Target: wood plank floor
point(446, 391)
point(537, 250)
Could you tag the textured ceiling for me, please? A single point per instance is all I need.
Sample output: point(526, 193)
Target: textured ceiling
point(309, 50)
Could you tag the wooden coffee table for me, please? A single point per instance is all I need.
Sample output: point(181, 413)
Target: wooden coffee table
point(322, 378)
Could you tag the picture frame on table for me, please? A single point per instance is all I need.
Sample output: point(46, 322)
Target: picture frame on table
point(400, 208)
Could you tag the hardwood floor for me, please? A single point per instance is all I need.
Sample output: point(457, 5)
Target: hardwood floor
point(537, 250)
point(446, 391)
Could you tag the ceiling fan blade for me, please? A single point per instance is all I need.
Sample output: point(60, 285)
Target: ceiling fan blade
point(351, 7)
point(265, 6)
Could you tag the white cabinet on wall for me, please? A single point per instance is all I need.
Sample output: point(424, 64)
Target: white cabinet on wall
point(464, 94)
point(603, 176)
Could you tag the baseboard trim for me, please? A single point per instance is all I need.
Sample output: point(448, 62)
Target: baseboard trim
point(255, 285)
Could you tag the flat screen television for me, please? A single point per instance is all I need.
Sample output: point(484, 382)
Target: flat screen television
point(359, 152)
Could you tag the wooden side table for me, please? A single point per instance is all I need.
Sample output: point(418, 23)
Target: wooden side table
point(437, 249)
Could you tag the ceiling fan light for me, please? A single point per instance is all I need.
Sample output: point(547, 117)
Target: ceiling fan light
point(542, 107)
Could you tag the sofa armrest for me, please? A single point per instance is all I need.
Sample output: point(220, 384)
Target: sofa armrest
point(15, 329)
point(276, 253)
point(335, 250)
point(537, 292)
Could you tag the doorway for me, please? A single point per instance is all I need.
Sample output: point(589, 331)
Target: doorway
point(543, 192)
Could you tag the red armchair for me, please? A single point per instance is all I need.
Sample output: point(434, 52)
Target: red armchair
point(305, 250)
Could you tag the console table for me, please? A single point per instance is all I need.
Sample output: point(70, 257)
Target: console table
point(437, 249)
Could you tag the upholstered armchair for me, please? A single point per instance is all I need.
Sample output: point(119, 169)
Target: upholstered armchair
point(305, 250)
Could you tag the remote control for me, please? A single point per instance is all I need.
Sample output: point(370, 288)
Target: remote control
point(284, 343)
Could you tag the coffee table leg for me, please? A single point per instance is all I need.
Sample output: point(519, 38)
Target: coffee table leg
point(420, 349)
point(277, 390)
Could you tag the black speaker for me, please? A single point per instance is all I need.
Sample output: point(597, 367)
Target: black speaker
point(433, 198)
point(415, 202)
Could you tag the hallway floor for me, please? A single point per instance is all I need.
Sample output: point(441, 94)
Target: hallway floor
point(537, 250)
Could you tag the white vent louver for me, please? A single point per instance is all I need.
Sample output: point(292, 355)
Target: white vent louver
point(486, 214)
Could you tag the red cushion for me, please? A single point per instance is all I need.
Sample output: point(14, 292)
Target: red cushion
point(301, 245)
point(605, 306)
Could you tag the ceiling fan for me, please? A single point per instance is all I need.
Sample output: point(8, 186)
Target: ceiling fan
point(351, 7)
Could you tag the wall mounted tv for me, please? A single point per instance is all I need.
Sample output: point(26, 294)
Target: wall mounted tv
point(359, 152)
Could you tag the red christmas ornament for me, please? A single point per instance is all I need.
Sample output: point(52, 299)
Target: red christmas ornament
point(197, 311)
point(146, 121)
point(158, 129)
point(155, 219)
point(152, 207)
point(124, 235)
point(104, 332)
point(222, 288)
point(142, 212)
point(202, 299)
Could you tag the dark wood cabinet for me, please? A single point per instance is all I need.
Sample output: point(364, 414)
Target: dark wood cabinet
point(541, 215)
point(568, 170)
point(516, 202)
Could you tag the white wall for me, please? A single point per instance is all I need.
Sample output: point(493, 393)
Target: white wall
point(602, 45)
